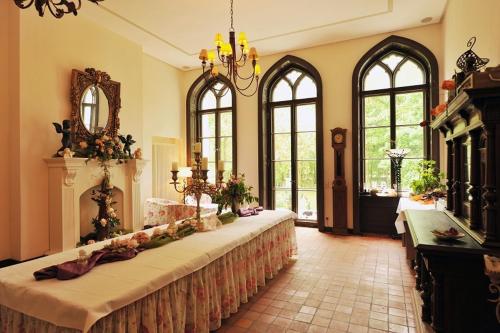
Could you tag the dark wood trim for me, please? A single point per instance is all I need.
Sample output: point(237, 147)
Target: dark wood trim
point(269, 78)
point(192, 101)
point(8, 262)
point(424, 56)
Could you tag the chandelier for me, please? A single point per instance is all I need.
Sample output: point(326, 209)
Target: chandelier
point(56, 7)
point(226, 54)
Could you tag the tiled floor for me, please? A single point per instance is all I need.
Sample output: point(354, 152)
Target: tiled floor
point(336, 284)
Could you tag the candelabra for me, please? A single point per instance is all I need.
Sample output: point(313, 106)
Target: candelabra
point(198, 184)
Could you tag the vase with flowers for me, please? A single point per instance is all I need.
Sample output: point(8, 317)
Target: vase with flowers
point(234, 193)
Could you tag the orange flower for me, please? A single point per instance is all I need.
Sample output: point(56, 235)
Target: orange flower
point(439, 109)
point(448, 85)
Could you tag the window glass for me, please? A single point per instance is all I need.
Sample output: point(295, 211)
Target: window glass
point(226, 100)
point(208, 101)
point(377, 78)
point(392, 60)
point(409, 74)
point(282, 91)
point(306, 88)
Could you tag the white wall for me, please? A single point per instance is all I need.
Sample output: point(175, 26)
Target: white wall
point(163, 109)
point(335, 63)
point(465, 19)
point(48, 49)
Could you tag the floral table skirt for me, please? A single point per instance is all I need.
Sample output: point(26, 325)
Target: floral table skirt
point(194, 303)
point(162, 211)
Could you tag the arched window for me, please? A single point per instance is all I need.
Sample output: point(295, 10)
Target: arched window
point(394, 87)
point(211, 120)
point(290, 123)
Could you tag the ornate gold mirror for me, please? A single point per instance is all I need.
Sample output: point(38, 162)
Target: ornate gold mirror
point(95, 100)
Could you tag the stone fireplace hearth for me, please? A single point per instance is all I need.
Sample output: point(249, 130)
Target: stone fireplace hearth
point(70, 178)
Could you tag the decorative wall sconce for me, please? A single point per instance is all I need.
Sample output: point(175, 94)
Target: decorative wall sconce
point(56, 7)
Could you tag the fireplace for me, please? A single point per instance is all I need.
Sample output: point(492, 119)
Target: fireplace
point(70, 183)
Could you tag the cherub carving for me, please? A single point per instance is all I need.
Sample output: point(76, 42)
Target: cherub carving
point(127, 143)
point(65, 130)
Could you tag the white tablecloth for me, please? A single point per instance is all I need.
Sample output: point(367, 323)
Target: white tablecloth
point(79, 303)
point(405, 204)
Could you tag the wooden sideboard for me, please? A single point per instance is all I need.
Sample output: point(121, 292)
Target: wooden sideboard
point(377, 214)
point(450, 276)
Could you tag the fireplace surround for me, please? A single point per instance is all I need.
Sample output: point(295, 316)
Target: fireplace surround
point(69, 178)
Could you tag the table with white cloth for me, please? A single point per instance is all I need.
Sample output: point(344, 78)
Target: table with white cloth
point(406, 204)
point(185, 286)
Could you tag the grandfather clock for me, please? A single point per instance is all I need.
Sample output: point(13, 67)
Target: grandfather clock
point(339, 185)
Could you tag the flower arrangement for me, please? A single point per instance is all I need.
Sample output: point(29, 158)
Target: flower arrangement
point(102, 148)
point(106, 221)
point(234, 193)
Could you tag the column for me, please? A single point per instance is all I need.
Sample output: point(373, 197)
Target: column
point(475, 174)
point(457, 177)
point(449, 175)
point(490, 184)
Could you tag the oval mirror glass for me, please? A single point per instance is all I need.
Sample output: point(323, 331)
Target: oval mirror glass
point(94, 109)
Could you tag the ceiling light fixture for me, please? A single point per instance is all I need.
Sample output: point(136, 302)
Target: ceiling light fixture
point(226, 53)
point(56, 7)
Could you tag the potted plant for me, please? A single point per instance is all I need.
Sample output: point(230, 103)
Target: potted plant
point(234, 193)
point(429, 178)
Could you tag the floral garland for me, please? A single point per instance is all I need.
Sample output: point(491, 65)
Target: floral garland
point(102, 148)
point(118, 250)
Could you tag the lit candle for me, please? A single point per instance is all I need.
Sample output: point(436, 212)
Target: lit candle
point(220, 166)
point(204, 163)
point(175, 166)
point(197, 147)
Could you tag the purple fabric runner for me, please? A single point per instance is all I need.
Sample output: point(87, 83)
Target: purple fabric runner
point(249, 211)
point(73, 269)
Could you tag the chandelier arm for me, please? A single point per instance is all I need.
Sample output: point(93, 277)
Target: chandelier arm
point(248, 77)
point(64, 2)
point(21, 3)
point(253, 93)
point(244, 62)
point(243, 89)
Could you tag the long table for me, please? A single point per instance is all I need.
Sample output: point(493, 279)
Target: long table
point(187, 285)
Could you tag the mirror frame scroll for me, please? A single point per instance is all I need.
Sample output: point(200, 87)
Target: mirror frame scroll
point(80, 81)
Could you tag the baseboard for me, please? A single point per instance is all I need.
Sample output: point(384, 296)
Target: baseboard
point(348, 231)
point(8, 262)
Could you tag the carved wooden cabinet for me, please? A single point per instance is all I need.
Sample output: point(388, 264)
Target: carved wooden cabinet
point(450, 274)
point(471, 127)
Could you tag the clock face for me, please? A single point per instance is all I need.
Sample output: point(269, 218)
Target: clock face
point(338, 138)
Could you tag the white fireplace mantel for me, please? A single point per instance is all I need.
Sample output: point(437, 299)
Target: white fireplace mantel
point(69, 178)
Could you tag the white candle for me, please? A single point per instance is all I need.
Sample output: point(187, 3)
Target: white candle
point(197, 147)
point(175, 166)
point(220, 165)
point(204, 163)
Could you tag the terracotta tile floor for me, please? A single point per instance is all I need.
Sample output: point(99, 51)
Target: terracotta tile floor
point(336, 284)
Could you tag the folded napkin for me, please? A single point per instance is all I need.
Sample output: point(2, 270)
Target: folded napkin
point(249, 211)
point(73, 269)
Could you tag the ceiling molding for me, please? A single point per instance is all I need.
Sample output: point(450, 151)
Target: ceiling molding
point(390, 8)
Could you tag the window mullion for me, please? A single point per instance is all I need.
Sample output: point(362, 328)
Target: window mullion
point(393, 131)
point(293, 110)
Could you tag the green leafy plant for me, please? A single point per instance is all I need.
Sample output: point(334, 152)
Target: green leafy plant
point(234, 191)
point(429, 178)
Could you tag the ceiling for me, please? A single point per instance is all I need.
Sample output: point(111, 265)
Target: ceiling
point(175, 31)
